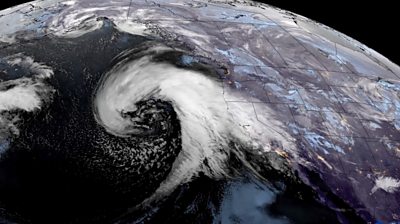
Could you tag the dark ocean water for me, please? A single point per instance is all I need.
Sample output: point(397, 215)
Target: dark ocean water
point(57, 170)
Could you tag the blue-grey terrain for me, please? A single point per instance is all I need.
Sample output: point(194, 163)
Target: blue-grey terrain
point(179, 111)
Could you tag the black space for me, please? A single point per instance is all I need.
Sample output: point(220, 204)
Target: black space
point(373, 23)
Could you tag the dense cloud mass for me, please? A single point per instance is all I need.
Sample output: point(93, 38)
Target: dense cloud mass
point(206, 112)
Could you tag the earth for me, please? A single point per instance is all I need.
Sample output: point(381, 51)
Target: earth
point(178, 111)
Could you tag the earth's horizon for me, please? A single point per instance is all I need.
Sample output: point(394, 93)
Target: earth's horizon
point(192, 112)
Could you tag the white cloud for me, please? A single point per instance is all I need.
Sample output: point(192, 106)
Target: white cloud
point(388, 184)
